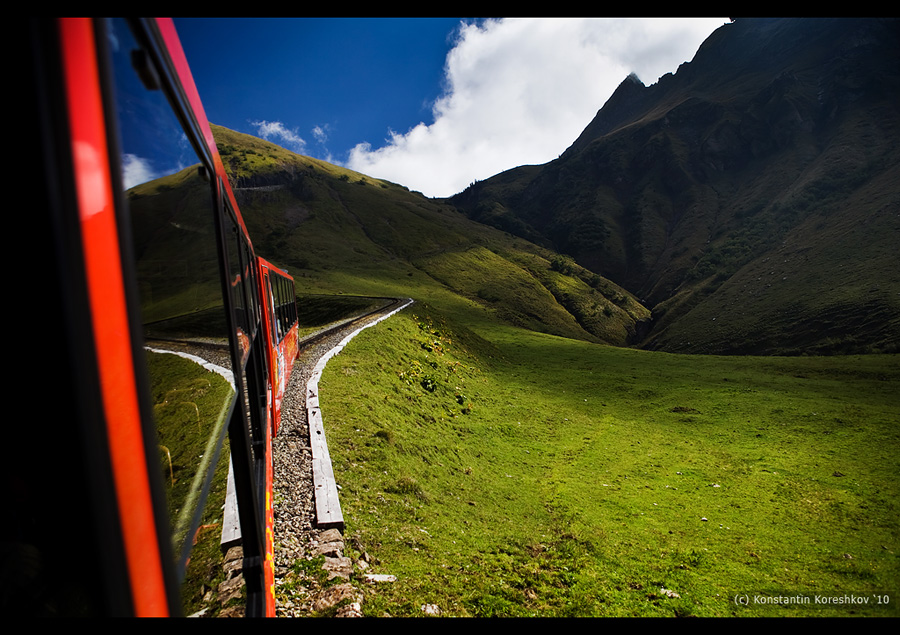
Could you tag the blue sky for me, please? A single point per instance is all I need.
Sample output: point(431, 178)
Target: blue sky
point(431, 103)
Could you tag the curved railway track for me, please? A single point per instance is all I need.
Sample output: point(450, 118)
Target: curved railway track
point(299, 532)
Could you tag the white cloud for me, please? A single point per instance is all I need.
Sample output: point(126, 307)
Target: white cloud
point(277, 132)
point(520, 91)
point(321, 133)
point(136, 170)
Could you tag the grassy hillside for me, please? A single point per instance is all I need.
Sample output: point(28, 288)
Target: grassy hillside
point(500, 462)
point(830, 286)
point(170, 217)
point(512, 473)
point(339, 231)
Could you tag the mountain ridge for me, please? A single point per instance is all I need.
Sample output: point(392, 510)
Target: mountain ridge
point(775, 126)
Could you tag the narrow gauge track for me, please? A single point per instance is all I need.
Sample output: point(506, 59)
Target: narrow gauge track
point(390, 305)
point(298, 534)
point(307, 340)
point(297, 531)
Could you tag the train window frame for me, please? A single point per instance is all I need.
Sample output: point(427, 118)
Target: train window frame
point(148, 39)
point(108, 449)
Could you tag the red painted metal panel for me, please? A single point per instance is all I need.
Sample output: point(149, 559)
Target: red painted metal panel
point(110, 316)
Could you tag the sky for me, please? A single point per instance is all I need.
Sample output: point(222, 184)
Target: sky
point(433, 104)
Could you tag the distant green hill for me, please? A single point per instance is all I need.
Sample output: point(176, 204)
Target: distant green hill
point(751, 200)
point(339, 231)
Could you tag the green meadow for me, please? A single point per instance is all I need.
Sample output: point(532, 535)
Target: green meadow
point(500, 460)
point(496, 471)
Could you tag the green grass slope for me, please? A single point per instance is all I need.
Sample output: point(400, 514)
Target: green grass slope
point(170, 218)
point(340, 231)
point(829, 286)
point(499, 462)
point(514, 473)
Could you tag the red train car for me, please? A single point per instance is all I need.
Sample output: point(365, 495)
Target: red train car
point(281, 330)
point(116, 477)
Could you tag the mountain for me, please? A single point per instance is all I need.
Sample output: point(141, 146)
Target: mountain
point(340, 231)
point(751, 199)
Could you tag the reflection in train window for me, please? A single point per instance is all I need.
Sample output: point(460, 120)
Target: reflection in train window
point(172, 216)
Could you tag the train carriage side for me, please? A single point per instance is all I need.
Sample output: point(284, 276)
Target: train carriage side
point(281, 327)
point(146, 239)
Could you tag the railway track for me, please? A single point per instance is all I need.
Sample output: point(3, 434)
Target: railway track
point(301, 531)
point(390, 305)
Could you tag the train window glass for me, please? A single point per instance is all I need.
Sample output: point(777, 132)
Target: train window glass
point(253, 287)
point(282, 308)
point(292, 303)
point(171, 210)
point(285, 303)
point(237, 270)
point(280, 303)
point(274, 324)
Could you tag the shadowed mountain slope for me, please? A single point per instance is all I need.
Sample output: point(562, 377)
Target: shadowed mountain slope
point(752, 199)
